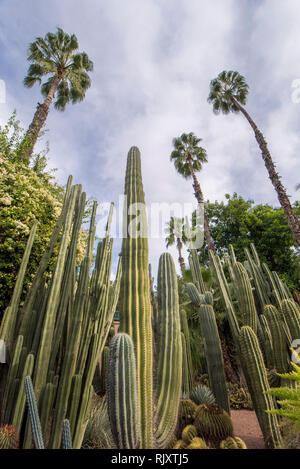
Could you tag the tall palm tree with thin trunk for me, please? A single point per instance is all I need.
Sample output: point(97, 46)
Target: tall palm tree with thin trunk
point(188, 158)
point(228, 93)
point(175, 232)
point(57, 59)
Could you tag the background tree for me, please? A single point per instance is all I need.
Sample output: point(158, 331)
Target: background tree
point(55, 57)
point(228, 93)
point(175, 231)
point(240, 222)
point(188, 158)
point(27, 193)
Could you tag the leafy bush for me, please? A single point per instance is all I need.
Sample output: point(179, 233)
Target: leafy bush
point(26, 193)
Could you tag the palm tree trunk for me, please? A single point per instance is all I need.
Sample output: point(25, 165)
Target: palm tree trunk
point(39, 120)
point(180, 258)
point(275, 178)
point(200, 200)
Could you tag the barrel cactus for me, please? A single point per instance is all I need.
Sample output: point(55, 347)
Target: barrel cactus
point(233, 443)
point(8, 437)
point(213, 424)
point(197, 443)
point(186, 414)
point(188, 433)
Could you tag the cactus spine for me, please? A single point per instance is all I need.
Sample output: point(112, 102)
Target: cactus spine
point(135, 316)
point(122, 398)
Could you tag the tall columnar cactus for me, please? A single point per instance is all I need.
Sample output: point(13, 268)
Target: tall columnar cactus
point(291, 316)
point(212, 346)
point(244, 295)
point(122, 396)
point(169, 366)
point(135, 318)
point(258, 384)
point(187, 370)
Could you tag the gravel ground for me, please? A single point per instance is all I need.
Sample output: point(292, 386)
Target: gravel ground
point(246, 426)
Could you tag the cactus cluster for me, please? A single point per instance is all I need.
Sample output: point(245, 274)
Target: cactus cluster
point(58, 335)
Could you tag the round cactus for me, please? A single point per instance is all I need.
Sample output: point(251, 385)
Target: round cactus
point(8, 437)
point(186, 414)
point(202, 395)
point(180, 444)
point(213, 423)
point(188, 433)
point(197, 443)
point(233, 443)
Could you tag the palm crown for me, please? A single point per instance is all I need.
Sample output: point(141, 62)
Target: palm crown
point(56, 56)
point(174, 230)
point(226, 86)
point(187, 153)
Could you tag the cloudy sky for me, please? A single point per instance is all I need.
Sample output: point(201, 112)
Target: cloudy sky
point(153, 61)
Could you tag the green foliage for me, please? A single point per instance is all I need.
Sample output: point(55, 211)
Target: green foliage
point(202, 395)
point(240, 222)
point(239, 397)
point(288, 399)
point(26, 194)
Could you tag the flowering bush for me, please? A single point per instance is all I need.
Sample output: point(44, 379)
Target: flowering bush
point(26, 193)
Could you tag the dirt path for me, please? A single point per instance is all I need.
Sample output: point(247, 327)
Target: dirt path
point(246, 426)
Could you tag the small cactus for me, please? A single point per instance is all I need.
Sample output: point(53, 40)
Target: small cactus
point(197, 443)
point(180, 444)
point(188, 433)
point(186, 413)
point(8, 437)
point(233, 443)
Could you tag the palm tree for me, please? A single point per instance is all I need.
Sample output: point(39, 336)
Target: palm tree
point(55, 57)
point(175, 231)
point(188, 157)
point(228, 93)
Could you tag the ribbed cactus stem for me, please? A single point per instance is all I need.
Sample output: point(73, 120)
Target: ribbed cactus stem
point(135, 317)
point(66, 435)
point(122, 396)
point(281, 358)
point(214, 357)
point(291, 315)
point(244, 295)
point(34, 415)
point(8, 324)
point(256, 373)
point(169, 366)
